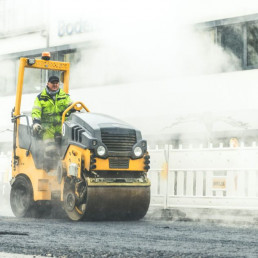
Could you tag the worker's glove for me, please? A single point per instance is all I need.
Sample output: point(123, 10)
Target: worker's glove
point(37, 129)
point(72, 110)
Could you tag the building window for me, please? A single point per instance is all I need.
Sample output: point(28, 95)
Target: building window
point(252, 44)
point(72, 57)
point(231, 39)
point(34, 79)
point(212, 34)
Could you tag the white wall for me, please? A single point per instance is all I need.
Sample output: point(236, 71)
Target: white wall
point(156, 107)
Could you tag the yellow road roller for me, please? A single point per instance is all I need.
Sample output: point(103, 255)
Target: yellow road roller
point(99, 171)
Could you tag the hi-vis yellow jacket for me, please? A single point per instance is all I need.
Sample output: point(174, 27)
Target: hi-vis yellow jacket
point(48, 110)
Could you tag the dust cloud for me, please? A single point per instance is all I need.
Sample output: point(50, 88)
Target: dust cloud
point(147, 44)
point(5, 177)
point(147, 63)
point(145, 58)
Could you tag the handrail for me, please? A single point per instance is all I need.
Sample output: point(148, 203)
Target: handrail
point(77, 108)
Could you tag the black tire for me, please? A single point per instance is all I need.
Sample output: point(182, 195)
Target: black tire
point(21, 197)
point(73, 211)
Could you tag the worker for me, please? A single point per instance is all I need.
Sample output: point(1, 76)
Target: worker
point(48, 108)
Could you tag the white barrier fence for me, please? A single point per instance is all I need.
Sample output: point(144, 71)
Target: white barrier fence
point(5, 173)
point(205, 177)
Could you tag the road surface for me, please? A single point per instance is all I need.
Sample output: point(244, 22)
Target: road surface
point(145, 238)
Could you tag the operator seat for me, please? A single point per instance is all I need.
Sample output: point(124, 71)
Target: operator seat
point(46, 154)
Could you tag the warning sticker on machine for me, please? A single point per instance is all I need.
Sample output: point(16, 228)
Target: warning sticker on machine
point(219, 183)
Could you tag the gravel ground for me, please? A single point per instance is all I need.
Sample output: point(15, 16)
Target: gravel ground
point(145, 238)
point(12, 255)
point(162, 233)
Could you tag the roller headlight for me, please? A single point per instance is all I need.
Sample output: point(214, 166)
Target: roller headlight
point(101, 151)
point(137, 151)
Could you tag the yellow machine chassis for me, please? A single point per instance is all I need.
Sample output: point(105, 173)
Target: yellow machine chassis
point(44, 183)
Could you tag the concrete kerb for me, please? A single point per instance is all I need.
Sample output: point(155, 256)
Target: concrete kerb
point(231, 216)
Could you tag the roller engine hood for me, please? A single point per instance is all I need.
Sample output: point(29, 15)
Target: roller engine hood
point(82, 128)
point(94, 121)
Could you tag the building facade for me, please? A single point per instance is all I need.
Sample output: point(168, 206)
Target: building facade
point(26, 31)
point(76, 39)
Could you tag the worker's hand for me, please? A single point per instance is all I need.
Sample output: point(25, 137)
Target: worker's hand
point(37, 129)
point(72, 110)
